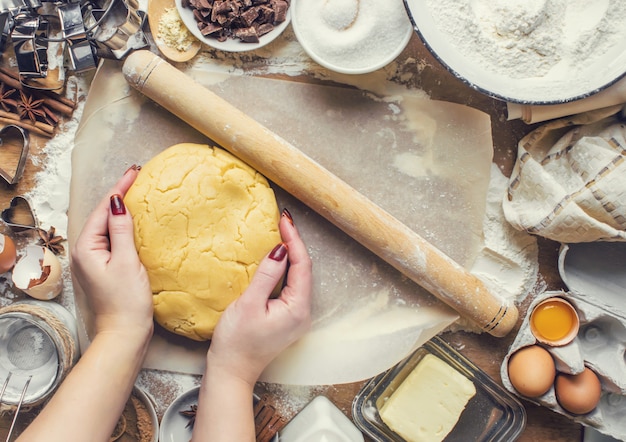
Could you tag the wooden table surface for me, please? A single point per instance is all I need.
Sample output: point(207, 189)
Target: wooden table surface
point(484, 350)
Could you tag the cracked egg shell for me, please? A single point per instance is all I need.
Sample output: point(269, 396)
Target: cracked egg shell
point(38, 273)
point(8, 254)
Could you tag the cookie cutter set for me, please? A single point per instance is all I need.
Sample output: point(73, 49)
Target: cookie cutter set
point(86, 29)
point(38, 347)
point(595, 275)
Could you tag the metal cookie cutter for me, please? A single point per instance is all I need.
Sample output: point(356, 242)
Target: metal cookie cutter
point(19, 216)
point(31, 45)
point(17, 140)
point(119, 27)
point(81, 53)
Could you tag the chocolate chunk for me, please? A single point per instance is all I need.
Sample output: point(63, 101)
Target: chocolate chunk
point(266, 14)
point(264, 28)
point(246, 20)
point(248, 16)
point(211, 30)
point(247, 35)
point(280, 10)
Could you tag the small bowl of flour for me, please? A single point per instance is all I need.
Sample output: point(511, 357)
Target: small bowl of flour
point(526, 51)
point(351, 36)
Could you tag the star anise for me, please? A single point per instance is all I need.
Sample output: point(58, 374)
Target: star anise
point(6, 98)
point(30, 108)
point(51, 241)
point(191, 414)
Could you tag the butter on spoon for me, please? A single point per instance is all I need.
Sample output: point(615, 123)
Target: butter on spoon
point(157, 10)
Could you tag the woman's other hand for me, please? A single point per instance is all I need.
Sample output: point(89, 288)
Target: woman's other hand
point(107, 267)
point(255, 328)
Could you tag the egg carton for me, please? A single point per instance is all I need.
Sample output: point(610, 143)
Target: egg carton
point(595, 275)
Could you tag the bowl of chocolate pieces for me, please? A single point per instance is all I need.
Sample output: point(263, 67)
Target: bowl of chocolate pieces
point(235, 25)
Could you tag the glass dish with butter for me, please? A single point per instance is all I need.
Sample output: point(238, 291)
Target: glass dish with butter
point(436, 394)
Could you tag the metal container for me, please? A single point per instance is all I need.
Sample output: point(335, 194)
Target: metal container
point(38, 347)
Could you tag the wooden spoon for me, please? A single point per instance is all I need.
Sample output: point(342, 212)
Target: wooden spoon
point(156, 9)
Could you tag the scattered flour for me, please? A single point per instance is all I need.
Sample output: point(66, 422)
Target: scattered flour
point(50, 196)
point(508, 262)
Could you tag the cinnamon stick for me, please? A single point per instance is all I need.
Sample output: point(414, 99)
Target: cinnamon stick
point(39, 128)
point(52, 100)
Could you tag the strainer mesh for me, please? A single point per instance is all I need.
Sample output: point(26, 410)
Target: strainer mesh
point(29, 348)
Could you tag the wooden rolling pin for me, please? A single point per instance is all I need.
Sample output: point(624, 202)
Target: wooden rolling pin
point(318, 188)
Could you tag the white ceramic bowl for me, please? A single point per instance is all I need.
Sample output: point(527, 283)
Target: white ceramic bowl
point(350, 51)
point(229, 45)
point(174, 426)
point(559, 85)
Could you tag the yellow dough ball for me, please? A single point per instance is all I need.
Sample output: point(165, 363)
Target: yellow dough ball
point(203, 221)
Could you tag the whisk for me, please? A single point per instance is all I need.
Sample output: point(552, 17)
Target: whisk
point(19, 404)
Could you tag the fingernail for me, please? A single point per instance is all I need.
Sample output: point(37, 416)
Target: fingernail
point(133, 167)
point(279, 252)
point(287, 215)
point(117, 205)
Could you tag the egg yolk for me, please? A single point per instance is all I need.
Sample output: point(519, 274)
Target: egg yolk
point(553, 320)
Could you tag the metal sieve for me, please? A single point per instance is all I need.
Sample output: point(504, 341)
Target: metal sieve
point(27, 350)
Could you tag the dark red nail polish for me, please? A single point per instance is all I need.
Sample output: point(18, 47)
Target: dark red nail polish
point(117, 205)
point(133, 167)
point(287, 215)
point(279, 252)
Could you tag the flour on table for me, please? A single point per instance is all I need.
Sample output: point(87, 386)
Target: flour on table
point(285, 56)
point(508, 261)
point(49, 197)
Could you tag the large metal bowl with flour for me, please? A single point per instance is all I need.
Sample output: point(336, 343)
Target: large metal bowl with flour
point(526, 51)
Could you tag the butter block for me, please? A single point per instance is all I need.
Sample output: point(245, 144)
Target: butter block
point(429, 402)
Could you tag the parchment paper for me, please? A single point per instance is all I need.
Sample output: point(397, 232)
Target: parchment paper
point(424, 161)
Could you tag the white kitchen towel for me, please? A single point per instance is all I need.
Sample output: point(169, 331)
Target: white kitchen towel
point(569, 181)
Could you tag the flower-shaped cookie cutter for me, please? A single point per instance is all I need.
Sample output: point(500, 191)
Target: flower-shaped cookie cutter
point(119, 28)
point(15, 142)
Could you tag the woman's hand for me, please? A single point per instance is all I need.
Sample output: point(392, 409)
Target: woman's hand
point(107, 267)
point(105, 263)
point(251, 332)
point(255, 328)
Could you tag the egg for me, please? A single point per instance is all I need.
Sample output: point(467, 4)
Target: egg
point(8, 254)
point(578, 393)
point(38, 273)
point(531, 371)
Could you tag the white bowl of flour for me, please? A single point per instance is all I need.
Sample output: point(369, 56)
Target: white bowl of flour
point(526, 51)
point(351, 36)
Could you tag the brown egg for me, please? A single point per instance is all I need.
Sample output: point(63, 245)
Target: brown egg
point(578, 393)
point(531, 371)
point(8, 254)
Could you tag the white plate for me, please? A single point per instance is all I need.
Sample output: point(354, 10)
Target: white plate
point(229, 45)
point(567, 86)
point(174, 425)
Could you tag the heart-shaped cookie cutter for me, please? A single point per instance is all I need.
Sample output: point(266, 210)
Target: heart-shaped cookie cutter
point(14, 134)
point(19, 216)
